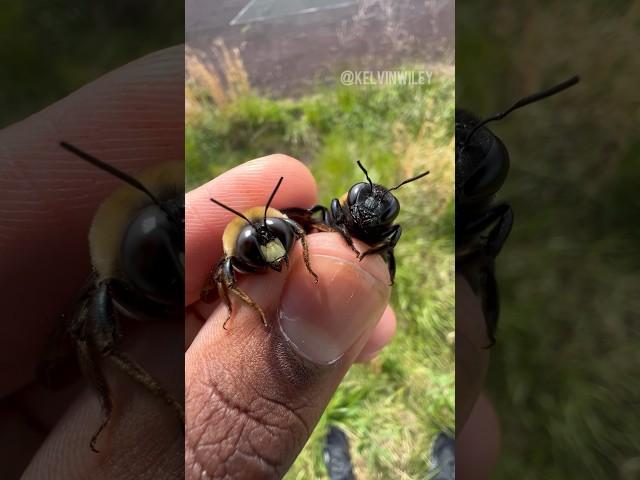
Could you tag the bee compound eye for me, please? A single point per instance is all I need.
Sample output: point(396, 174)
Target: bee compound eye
point(357, 191)
point(491, 170)
point(247, 247)
point(389, 209)
point(282, 230)
point(151, 254)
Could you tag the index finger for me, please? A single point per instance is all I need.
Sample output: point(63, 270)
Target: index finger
point(248, 185)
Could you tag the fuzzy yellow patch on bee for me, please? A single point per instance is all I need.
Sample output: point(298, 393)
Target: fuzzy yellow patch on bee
point(231, 232)
point(273, 251)
point(114, 214)
point(343, 198)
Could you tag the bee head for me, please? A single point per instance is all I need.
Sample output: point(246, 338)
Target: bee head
point(137, 234)
point(265, 239)
point(482, 160)
point(373, 205)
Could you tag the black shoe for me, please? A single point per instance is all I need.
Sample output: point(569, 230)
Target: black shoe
point(443, 458)
point(336, 455)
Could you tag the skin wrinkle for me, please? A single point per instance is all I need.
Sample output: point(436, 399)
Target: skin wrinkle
point(247, 415)
point(193, 452)
point(276, 469)
point(192, 210)
point(259, 415)
point(291, 409)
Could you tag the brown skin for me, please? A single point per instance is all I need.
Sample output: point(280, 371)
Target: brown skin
point(251, 400)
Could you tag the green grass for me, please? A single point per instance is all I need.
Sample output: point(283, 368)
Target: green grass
point(392, 407)
point(564, 374)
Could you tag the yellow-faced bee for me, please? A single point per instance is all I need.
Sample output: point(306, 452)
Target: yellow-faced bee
point(366, 212)
point(259, 239)
point(136, 244)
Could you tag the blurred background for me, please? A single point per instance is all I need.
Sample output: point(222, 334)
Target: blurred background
point(52, 48)
point(264, 77)
point(564, 373)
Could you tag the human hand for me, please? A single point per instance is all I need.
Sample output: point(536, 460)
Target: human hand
point(253, 395)
point(131, 118)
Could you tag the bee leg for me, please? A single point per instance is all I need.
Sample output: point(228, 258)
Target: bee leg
point(206, 295)
point(499, 234)
point(222, 277)
point(391, 264)
point(385, 248)
point(106, 329)
point(106, 334)
point(249, 301)
point(386, 251)
point(130, 367)
point(93, 329)
point(490, 304)
point(389, 243)
point(89, 359)
point(224, 295)
point(305, 246)
point(227, 283)
point(339, 223)
point(502, 216)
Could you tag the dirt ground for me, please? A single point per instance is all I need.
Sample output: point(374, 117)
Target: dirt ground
point(285, 54)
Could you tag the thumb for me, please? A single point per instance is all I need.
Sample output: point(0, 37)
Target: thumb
point(253, 395)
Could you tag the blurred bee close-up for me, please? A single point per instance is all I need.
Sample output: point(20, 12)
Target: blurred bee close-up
point(136, 243)
point(482, 224)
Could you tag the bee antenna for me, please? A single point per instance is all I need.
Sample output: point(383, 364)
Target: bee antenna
point(115, 172)
point(525, 101)
point(366, 174)
point(273, 194)
point(231, 210)
point(412, 179)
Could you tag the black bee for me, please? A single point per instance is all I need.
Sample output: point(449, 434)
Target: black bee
point(482, 164)
point(367, 212)
point(259, 239)
point(137, 251)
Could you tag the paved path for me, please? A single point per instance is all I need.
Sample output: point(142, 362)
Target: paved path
point(293, 45)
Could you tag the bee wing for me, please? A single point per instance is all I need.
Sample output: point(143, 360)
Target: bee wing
point(58, 365)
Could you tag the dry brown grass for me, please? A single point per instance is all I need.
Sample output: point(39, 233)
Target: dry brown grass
point(220, 80)
point(422, 153)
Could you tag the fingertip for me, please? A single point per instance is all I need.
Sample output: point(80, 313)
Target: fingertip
point(380, 337)
point(326, 321)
